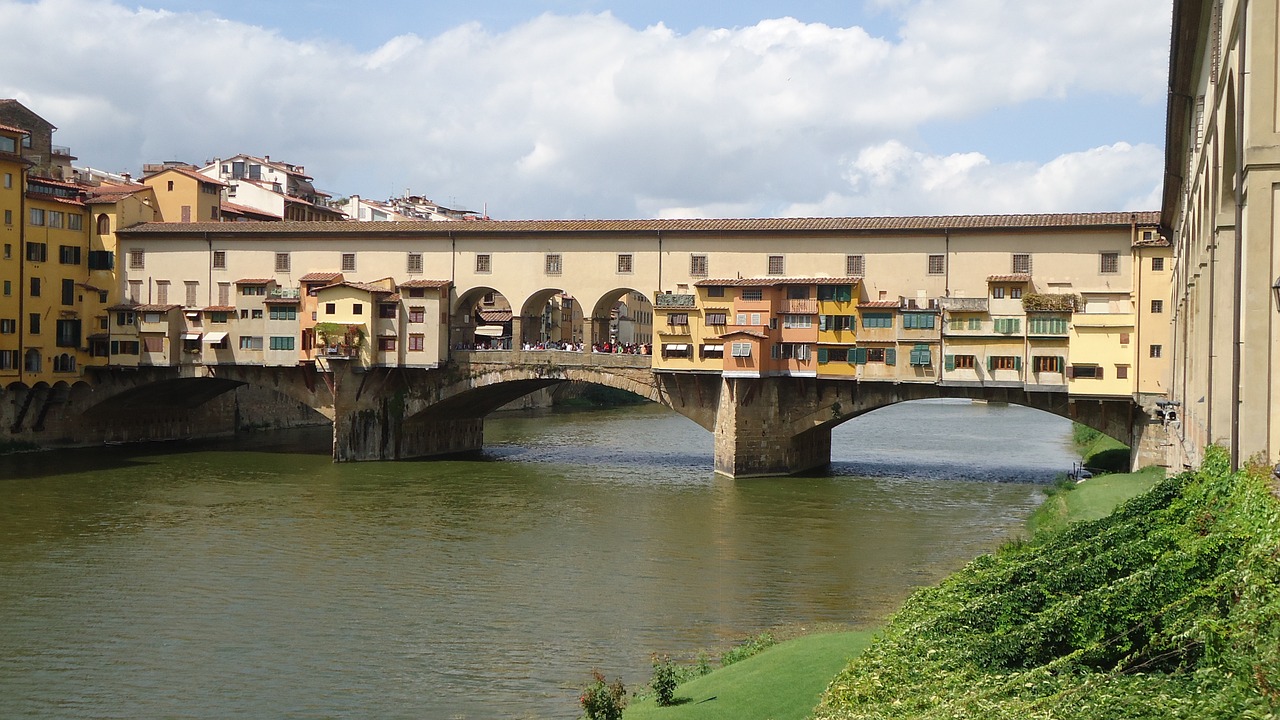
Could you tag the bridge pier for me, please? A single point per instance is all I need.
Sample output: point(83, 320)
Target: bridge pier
point(754, 436)
point(383, 433)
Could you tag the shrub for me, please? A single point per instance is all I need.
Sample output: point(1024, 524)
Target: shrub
point(751, 646)
point(664, 680)
point(601, 700)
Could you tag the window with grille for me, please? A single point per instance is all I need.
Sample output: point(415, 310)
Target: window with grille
point(1157, 264)
point(937, 264)
point(417, 342)
point(1156, 351)
point(1021, 264)
point(698, 265)
point(717, 318)
point(552, 264)
point(855, 265)
point(678, 319)
point(624, 263)
point(348, 262)
point(219, 259)
point(1157, 306)
point(1109, 263)
point(137, 260)
point(413, 263)
point(483, 263)
point(282, 262)
point(777, 265)
point(752, 294)
point(417, 315)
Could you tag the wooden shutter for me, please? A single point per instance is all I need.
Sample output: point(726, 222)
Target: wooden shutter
point(951, 362)
point(860, 356)
point(822, 356)
point(1070, 371)
point(1017, 363)
point(891, 356)
point(991, 363)
point(1062, 364)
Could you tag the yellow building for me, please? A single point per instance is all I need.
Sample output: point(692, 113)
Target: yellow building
point(54, 278)
point(13, 170)
point(184, 195)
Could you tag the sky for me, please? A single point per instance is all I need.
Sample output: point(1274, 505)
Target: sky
point(622, 109)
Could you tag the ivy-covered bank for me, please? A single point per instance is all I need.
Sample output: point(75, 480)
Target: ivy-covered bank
point(1167, 608)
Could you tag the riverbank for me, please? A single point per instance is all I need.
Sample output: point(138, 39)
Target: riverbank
point(1167, 607)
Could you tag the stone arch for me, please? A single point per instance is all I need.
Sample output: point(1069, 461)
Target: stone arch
point(604, 326)
point(549, 315)
point(1228, 147)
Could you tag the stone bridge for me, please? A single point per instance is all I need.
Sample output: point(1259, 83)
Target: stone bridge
point(761, 426)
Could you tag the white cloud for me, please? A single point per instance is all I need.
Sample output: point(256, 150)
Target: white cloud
point(585, 116)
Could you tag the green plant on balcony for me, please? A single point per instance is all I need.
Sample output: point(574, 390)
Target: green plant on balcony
point(342, 337)
point(1052, 302)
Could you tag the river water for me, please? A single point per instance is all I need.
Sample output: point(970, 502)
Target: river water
point(257, 579)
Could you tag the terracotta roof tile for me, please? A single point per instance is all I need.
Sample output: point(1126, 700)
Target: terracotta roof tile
point(189, 173)
point(112, 193)
point(320, 277)
point(495, 316)
point(254, 281)
point(219, 308)
point(879, 304)
point(10, 128)
point(230, 207)
point(752, 333)
point(367, 287)
point(1014, 278)
point(745, 225)
point(156, 308)
point(426, 284)
point(770, 281)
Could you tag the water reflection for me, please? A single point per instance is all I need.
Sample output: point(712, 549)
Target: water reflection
point(259, 579)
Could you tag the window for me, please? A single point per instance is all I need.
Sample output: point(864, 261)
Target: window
point(875, 355)
point(826, 355)
point(1109, 263)
point(37, 252)
point(676, 350)
point(961, 362)
point(836, 322)
point(8, 327)
point(8, 359)
point(75, 221)
point(417, 342)
point(330, 308)
point(1156, 351)
point(678, 319)
point(282, 262)
point(386, 343)
point(1157, 306)
point(836, 293)
point(55, 219)
point(698, 265)
point(417, 292)
point(284, 312)
point(1122, 372)
point(1021, 264)
point(918, 321)
point(169, 186)
point(219, 259)
point(217, 317)
point(752, 294)
point(624, 263)
point(1004, 362)
point(855, 265)
point(790, 351)
point(413, 263)
point(193, 290)
point(224, 293)
point(797, 292)
point(552, 264)
point(37, 216)
point(717, 318)
point(137, 260)
point(877, 320)
point(162, 292)
point(755, 318)
point(8, 287)
point(1015, 292)
point(348, 262)
point(357, 308)
point(741, 349)
point(417, 314)
point(32, 361)
point(1157, 264)
point(997, 292)
point(1124, 338)
point(777, 265)
point(921, 356)
point(282, 342)
point(1091, 372)
point(33, 323)
point(250, 342)
point(1047, 325)
point(35, 287)
point(153, 343)
point(104, 224)
point(388, 311)
point(8, 145)
point(484, 263)
point(715, 292)
point(8, 217)
point(68, 254)
point(1047, 363)
point(937, 264)
point(68, 292)
point(124, 318)
point(797, 321)
point(1007, 326)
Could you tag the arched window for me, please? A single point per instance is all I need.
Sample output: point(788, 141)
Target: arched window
point(64, 363)
point(32, 361)
point(104, 224)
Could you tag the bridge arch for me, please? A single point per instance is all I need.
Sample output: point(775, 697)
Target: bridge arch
point(549, 315)
point(467, 318)
point(622, 315)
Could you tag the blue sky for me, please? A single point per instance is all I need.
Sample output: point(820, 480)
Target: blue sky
point(591, 108)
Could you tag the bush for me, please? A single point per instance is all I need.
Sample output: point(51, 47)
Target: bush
point(602, 701)
point(749, 647)
point(664, 680)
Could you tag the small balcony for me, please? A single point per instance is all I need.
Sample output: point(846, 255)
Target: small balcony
point(800, 307)
point(954, 304)
point(671, 300)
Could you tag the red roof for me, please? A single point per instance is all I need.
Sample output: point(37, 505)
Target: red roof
point(112, 193)
point(359, 286)
point(752, 333)
point(495, 316)
point(189, 173)
point(156, 308)
point(10, 128)
point(426, 284)
point(219, 308)
point(769, 281)
point(320, 277)
point(879, 304)
point(254, 281)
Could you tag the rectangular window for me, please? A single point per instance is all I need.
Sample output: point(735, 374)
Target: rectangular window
point(551, 264)
point(282, 262)
point(1124, 338)
point(137, 260)
point(357, 308)
point(284, 312)
point(35, 287)
point(388, 311)
point(797, 321)
point(75, 221)
point(8, 327)
point(752, 294)
point(69, 292)
point(715, 292)
point(1091, 372)
point(964, 362)
point(250, 342)
point(1109, 263)
point(742, 349)
point(282, 342)
point(8, 217)
point(102, 260)
point(330, 308)
point(921, 356)
point(1157, 307)
point(855, 265)
point(33, 323)
point(386, 343)
point(1047, 363)
point(997, 292)
point(717, 318)
point(413, 263)
point(918, 321)
point(836, 293)
point(1157, 264)
point(624, 263)
point(698, 265)
point(1122, 372)
point(484, 263)
point(678, 319)
point(218, 317)
point(37, 216)
point(8, 287)
point(219, 259)
point(1015, 293)
point(877, 320)
point(69, 254)
point(797, 292)
point(937, 264)
point(348, 262)
point(1021, 264)
point(1156, 351)
point(153, 343)
point(37, 252)
point(417, 342)
point(253, 290)
point(777, 265)
point(1004, 362)
point(124, 318)
point(1047, 325)
point(55, 219)
point(417, 314)
point(162, 292)
point(755, 318)
point(1007, 326)
point(193, 290)
point(224, 293)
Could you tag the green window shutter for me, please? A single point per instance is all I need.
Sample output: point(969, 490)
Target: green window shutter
point(891, 356)
point(991, 363)
point(860, 356)
point(1062, 364)
point(1015, 325)
point(975, 323)
point(822, 356)
point(951, 362)
point(822, 322)
point(1017, 363)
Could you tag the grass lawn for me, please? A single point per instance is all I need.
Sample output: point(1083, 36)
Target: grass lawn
point(781, 683)
point(1092, 499)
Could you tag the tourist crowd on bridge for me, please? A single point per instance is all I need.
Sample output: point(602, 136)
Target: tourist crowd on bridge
point(607, 347)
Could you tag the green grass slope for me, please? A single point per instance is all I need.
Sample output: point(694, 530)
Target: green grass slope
point(1167, 608)
point(783, 682)
point(1092, 499)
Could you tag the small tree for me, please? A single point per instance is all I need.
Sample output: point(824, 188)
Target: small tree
point(602, 701)
point(664, 680)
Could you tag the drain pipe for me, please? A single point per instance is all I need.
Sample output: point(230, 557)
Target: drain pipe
point(1236, 300)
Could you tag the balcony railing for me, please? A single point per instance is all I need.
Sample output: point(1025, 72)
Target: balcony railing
point(965, 304)
point(800, 307)
point(670, 300)
point(286, 293)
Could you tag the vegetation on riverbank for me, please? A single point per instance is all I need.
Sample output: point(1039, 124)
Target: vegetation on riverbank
point(1167, 608)
point(1093, 499)
point(1099, 452)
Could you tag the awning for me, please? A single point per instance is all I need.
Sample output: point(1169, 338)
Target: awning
point(192, 314)
point(215, 337)
point(676, 347)
point(489, 330)
point(192, 336)
point(712, 348)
